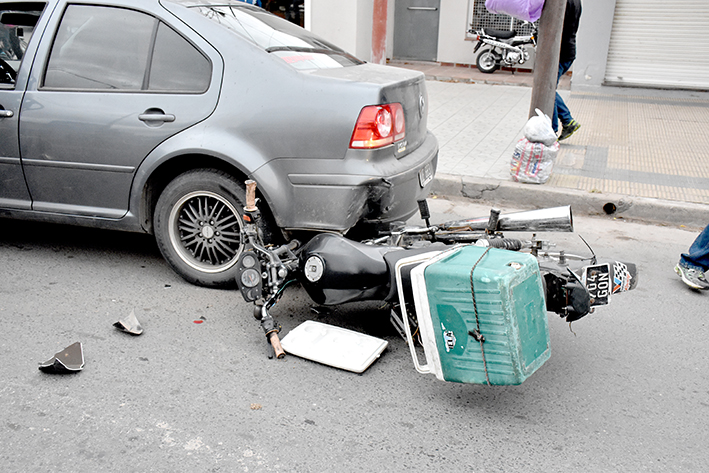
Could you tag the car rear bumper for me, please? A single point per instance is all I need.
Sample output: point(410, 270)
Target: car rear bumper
point(335, 195)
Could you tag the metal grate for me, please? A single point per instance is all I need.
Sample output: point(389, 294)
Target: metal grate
point(482, 18)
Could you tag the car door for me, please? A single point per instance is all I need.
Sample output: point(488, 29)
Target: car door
point(13, 190)
point(112, 84)
point(17, 23)
point(416, 24)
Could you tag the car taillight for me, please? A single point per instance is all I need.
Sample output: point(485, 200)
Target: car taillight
point(379, 125)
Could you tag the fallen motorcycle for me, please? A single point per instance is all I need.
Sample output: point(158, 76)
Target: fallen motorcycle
point(506, 48)
point(475, 300)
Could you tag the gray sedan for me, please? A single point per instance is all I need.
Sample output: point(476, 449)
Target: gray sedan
point(148, 116)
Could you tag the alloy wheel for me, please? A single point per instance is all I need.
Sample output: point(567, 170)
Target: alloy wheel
point(205, 229)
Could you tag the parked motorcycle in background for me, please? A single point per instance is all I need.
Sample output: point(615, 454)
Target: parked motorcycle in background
point(506, 48)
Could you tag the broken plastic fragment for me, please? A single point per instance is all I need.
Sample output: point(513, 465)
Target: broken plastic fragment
point(130, 324)
point(333, 346)
point(70, 360)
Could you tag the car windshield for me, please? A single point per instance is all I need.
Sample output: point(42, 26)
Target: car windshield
point(295, 45)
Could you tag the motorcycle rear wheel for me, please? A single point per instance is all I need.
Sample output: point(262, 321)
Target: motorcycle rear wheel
point(487, 61)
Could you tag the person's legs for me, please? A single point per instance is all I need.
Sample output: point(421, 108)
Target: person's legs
point(561, 111)
point(698, 255)
point(692, 266)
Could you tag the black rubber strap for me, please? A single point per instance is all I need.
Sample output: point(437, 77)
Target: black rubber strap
point(479, 337)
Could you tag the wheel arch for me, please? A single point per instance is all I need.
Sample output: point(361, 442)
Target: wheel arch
point(169, 169)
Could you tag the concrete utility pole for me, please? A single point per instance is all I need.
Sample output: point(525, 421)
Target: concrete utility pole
point(546, 62)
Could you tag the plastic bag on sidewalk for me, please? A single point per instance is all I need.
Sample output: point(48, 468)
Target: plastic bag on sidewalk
point(538, 129)
point(528, 10)
point(533, 163)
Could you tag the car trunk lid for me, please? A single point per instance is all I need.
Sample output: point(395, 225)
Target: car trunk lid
point(387, 85)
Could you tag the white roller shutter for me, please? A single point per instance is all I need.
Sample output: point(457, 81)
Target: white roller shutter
point(659, 43)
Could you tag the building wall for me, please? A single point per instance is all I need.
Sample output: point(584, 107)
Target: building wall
point(324, 22)
point(390, 29)
point(348, 24)
point(365, 9)
point(592, 42)
point(345, 23)
point(452, 43)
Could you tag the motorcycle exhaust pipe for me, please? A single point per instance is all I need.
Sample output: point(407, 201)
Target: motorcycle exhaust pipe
point(555, 219)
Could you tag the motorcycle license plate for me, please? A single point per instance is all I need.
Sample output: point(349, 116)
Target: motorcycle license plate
point(425, 174)
point(597, 279)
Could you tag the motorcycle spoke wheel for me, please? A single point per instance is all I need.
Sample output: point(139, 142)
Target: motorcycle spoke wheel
point(487, 61)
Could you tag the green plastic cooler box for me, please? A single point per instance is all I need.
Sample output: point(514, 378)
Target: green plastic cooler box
point(511, 315)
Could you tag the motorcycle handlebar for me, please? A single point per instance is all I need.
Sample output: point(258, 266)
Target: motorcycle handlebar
point(276, 344)
point(271, 330)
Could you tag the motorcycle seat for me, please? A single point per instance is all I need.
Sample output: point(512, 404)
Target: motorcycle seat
point(391, 259)
point(502, 34)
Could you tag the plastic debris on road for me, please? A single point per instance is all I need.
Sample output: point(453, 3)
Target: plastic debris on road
point(130, 324)
point(333, 346)
point(69, 360)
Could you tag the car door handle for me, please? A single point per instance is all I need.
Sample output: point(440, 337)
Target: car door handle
point(6, 114)
point(156, 117)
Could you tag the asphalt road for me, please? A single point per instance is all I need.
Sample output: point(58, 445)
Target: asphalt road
point(626, 388)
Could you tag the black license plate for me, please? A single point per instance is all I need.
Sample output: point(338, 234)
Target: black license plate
point(597, 279)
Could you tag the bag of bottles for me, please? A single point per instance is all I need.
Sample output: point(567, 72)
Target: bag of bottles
point(533, 162)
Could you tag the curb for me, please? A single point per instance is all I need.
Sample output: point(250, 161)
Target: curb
point(528, 196)
point(470, 80)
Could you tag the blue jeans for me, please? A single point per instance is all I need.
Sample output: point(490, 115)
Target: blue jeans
point(698, 256)
point(561, 111)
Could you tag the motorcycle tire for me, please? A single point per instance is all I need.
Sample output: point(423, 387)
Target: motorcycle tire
point(487, 61)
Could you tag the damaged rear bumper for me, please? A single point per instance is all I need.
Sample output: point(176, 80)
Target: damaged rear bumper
point(320, 196)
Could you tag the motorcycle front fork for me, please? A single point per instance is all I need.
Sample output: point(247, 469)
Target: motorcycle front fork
point(268, 324)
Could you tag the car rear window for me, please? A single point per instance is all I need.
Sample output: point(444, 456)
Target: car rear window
point(293, 44)
point(111, 48)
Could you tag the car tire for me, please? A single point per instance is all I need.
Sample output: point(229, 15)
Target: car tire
point(198, 226)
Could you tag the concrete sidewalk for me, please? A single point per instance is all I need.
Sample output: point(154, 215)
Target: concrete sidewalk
point(645, 152)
